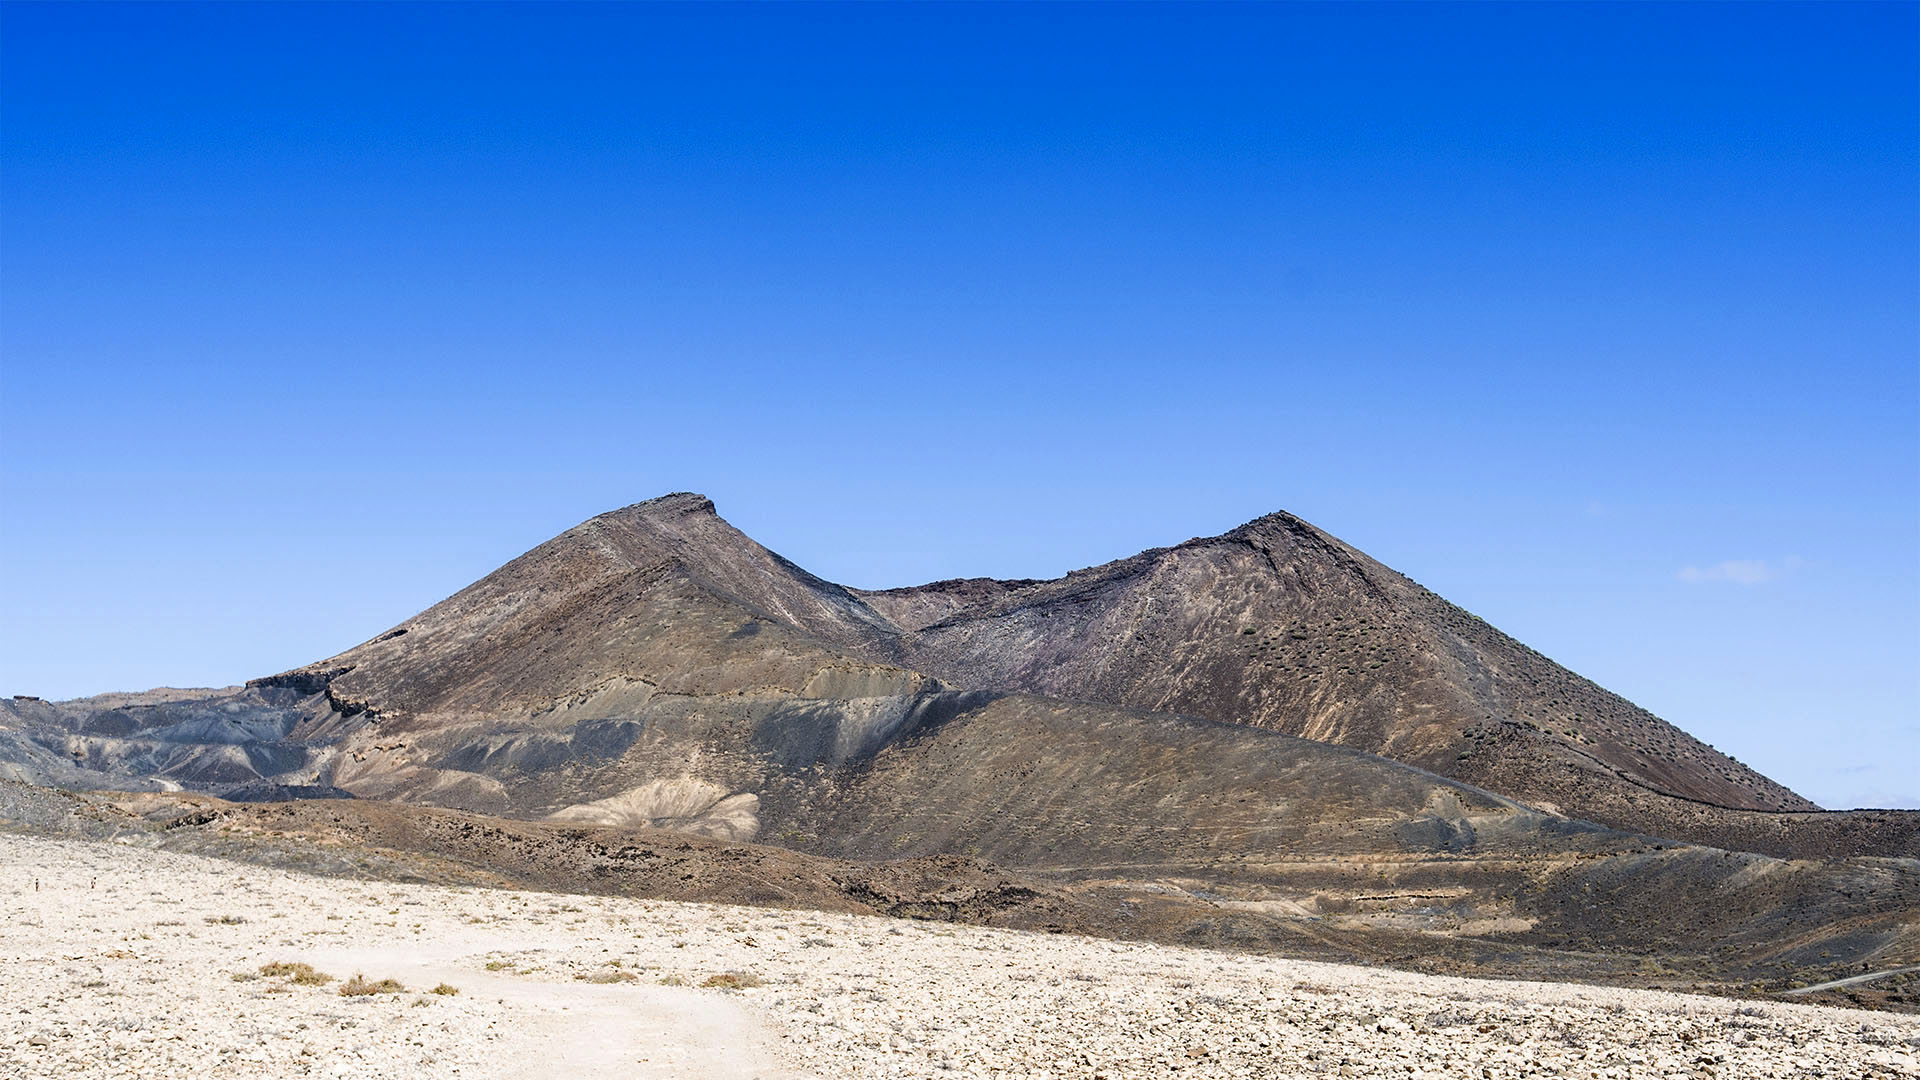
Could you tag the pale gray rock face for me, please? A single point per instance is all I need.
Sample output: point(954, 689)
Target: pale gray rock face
point(169, 740)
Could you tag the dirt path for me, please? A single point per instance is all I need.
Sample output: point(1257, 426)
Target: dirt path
point(581, 1030)
point(1851, 980)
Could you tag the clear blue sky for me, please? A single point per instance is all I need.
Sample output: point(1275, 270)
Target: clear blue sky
point(1601, 321)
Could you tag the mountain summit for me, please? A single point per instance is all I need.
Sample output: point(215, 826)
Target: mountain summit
point(1275, 625)
point(1279, 625)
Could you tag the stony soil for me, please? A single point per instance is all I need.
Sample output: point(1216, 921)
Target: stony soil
point(122, 961)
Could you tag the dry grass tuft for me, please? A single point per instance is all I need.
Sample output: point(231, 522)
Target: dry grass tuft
point(360, 986)
point(608, 977)
point(733, 980)
point(445, 990)
point(302, 974)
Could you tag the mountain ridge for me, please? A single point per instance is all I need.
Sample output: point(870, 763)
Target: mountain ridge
point(1457, 697)
point(891, 627)
point(656, 644)
point(952, 604)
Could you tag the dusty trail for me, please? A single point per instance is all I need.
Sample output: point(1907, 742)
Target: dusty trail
point(1852, 980)
point(582, 1030)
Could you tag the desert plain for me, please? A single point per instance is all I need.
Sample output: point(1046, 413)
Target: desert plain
point(125, 961)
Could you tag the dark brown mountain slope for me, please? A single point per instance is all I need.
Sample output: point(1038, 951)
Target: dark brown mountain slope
point(663, 596)
point(1274, 625)
point(1278, 625)
point(616, 675)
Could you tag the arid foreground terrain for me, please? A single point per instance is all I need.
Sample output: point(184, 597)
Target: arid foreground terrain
point(127, 961)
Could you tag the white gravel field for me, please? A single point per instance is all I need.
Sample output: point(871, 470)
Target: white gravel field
point(121, 961)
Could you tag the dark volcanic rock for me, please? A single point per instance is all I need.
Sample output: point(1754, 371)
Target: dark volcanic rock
point(264, 792)
point(1279, 625)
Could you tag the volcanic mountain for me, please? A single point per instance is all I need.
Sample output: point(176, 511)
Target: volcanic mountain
point(1275, 625)
point(1263, 738)
point(1279, 625)
point(654, 664)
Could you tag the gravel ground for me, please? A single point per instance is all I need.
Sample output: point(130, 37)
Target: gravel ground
point(122, 961)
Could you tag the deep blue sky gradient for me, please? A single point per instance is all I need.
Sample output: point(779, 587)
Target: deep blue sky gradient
point(1602, 321)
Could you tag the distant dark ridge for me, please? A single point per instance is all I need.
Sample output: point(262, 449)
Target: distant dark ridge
point(271, 793)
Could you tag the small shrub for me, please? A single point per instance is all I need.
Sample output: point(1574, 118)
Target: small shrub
point(604, 977)
point(360, 986)
point(672, 980)
point(226, 920)
point(302, 974)
point(499, 965)
point(445, 990)
point(732, 980)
